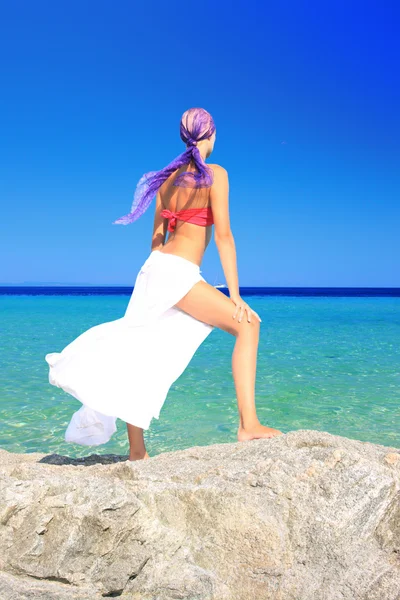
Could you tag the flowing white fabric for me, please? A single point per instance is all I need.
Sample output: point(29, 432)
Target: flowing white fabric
point(124, 368)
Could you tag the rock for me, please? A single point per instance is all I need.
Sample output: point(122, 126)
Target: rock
point(303, 516)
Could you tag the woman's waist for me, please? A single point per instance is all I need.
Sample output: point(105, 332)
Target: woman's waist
point(185, 249)
point(174, 252)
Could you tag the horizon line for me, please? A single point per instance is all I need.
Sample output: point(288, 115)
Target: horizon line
point(125, 285)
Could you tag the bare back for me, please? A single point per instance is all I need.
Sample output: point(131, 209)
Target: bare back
point(188, 239)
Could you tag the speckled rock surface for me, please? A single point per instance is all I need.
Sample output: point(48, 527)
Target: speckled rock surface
point(304, 516)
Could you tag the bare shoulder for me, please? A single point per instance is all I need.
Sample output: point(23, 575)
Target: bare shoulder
point(218, 169)
point(220, 174)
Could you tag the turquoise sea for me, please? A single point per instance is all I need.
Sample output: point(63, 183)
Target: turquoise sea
point(325, 362)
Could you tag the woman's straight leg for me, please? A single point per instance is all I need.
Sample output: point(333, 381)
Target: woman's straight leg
point(137, 448)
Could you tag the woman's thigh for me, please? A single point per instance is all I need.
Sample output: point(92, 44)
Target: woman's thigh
point(206, 303)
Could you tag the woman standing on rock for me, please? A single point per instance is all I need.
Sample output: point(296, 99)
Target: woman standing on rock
point(124, 368)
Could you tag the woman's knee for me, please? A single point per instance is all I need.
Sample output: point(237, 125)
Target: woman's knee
point(249, 328)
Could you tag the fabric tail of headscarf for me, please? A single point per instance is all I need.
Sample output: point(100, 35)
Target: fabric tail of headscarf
point(141, 199)
point(150, 182)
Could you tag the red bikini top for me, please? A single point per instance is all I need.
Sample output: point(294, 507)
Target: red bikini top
point(198, 216)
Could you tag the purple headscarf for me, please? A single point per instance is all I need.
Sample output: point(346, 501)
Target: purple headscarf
point(196, 124)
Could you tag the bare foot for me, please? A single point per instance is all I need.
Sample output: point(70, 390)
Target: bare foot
point(257, 432)
point(138, 456)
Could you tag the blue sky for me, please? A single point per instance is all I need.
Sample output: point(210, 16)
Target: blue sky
point(305, 97)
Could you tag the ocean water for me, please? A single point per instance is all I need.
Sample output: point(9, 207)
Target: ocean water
point(326, 361)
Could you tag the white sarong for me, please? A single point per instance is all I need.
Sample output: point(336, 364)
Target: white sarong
point(124, 368)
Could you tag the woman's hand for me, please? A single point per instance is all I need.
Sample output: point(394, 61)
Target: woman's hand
point(241, 306)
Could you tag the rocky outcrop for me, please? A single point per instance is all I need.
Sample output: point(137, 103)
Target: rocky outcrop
point(304, 516)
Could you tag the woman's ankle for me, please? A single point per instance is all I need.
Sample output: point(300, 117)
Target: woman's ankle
point(137, 454)
point(247, 424)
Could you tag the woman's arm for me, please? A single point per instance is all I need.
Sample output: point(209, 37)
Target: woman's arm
point(223, 235)
point(160, 225)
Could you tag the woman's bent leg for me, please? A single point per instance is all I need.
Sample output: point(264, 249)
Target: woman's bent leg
point(208, 304)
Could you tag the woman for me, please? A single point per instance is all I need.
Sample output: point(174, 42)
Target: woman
point(124, 368)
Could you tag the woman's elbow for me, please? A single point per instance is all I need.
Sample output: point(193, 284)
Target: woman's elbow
point(224, 237)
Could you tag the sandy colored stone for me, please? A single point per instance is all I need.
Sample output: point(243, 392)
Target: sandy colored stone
point(304, 516)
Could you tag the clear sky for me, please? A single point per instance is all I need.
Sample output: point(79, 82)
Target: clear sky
point(305, 97)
